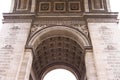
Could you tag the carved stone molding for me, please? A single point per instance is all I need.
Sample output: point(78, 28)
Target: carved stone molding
point(101, 20)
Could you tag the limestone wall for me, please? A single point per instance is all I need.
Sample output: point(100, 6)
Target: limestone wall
point(13, 37)
point(105, 38)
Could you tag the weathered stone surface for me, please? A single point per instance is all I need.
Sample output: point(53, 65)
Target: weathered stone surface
point(12, 42)
point(106, 42)
point(26, 65)
point(90, 65)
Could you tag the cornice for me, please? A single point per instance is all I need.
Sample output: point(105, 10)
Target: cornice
point(101, 15)
point(18, 16)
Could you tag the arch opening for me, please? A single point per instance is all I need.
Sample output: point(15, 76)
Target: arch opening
point(59, 74)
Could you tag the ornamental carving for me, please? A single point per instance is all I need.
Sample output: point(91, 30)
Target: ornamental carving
point(60, 6)
point(37, 27)
point(81, 27)
point(44, 6)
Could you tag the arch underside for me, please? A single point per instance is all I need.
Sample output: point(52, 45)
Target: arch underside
point(59, 46)
point(59, 51)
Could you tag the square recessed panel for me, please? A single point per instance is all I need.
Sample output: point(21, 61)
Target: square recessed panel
point(74, 7)
point(59, 6)
point(22, 5)
point(97, 4)
point(44, 7)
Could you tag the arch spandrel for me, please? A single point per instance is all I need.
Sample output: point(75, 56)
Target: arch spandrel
point(69, 32)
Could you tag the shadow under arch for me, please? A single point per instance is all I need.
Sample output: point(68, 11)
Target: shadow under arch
point(58, 30)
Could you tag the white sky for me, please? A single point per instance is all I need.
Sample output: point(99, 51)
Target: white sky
point(64, 75)
point(4, 7)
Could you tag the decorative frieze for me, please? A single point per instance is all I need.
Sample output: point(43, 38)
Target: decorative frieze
point(60, 6)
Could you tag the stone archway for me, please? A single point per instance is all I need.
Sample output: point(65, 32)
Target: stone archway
point(59, 50)
point(59, 46)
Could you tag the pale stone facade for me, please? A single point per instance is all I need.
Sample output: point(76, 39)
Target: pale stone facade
point(81, 36)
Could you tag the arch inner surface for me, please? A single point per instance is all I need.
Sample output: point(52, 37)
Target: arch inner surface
point(59, 50)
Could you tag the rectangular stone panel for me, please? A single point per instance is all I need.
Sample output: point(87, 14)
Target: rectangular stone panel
point(98, 5)
point(59, 6)
point(106, 46)
point(26, 65)
point(74, 6)
point(22, 4)
point(13, 37)
point(44, 6)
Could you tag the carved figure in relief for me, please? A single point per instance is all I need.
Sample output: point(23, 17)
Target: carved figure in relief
point(15, 28)
point(110, 47)
point(8, 47)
